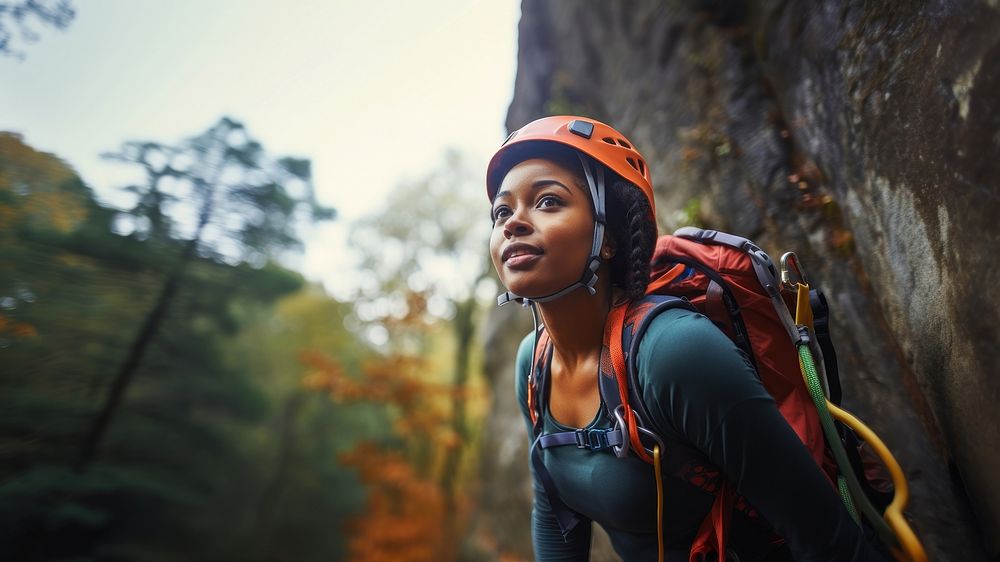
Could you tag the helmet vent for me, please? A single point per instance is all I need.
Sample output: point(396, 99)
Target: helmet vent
point(631, 162)
point(624, 143)
point(608, 140)
point(642, 167)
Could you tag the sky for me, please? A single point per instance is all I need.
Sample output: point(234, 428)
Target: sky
point(372, 92)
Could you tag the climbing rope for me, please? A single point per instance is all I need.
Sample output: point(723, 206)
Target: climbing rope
point(837, 447)
point(910, 549)
point(845, 496)
point(893, 529)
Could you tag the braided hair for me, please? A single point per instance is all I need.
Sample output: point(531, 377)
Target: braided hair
point(633, 233)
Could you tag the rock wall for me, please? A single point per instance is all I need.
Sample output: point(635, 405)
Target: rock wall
point(865, 136)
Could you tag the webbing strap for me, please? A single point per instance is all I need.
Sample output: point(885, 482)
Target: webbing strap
point(667, 278)
point(616, 323)
point(712, 534)
point(565, 517)
point(537, 387)
point(821, 327)
point(592, 439)
point(715, 306)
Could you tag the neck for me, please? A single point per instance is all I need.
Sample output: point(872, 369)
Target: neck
point(575, 323)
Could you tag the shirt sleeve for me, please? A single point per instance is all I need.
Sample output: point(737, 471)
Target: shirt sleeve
point(546, 537)
point(698, 386)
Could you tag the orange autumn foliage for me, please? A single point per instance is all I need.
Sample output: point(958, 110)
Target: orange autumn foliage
point(33, 190)
point(11, 327)
point(395, 381)
point(405, 516)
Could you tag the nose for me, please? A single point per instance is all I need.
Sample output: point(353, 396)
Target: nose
point(516, 225)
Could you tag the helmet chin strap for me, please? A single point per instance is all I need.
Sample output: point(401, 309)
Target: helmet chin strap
point(595, 181)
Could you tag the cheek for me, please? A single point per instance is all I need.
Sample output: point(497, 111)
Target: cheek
point(496, 240)
point(576, 237)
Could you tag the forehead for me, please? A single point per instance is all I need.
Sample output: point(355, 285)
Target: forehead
point(528, 173)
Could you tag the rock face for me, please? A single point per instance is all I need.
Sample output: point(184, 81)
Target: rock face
point(863, 136)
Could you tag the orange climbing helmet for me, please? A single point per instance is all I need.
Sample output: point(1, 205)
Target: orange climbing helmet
point(591, 137)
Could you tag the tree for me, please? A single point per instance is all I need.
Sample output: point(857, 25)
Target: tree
point(56, 13)
point(216, 454)
point(227, 200)
point(407, 516)
point(303, 493)
point(426, 256)
point(38, 191)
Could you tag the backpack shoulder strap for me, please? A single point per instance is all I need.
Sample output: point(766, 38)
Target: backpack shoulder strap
point(538, 389)
point(537, 377)
point(625, 327)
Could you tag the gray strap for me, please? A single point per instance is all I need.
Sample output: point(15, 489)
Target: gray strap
point(764, 268)
point(762, 265)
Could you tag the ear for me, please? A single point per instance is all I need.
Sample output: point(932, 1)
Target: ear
point(608, 248)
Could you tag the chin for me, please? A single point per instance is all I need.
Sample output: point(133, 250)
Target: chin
point(534, 289)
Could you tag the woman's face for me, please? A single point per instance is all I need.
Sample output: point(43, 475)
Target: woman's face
point(543, 228)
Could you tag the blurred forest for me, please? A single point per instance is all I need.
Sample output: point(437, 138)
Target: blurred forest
point(170, 392)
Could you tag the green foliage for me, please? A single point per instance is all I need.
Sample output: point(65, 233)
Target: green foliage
point(223, 192)
point(692, 214)
point(216, 452)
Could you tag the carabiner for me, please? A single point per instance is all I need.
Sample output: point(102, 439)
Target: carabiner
point(621, 451)
point(654, 437)
point(789, 258)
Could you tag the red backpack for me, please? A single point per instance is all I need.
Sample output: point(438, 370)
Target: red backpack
point(736, 285)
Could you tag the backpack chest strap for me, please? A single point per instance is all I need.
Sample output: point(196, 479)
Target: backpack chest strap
point(592, 439)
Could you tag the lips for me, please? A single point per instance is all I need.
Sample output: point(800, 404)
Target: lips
point(518, 250)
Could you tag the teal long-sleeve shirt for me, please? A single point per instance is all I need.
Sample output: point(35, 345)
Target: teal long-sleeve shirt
point(713, 413)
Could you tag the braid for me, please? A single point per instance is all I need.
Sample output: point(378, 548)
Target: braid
point(638, 217)
point(634, 235)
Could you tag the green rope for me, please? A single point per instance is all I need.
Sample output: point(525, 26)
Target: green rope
point(845, 495)
point(839, 454)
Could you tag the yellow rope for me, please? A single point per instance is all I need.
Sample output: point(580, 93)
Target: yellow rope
point(911, 549)
point(659, 501)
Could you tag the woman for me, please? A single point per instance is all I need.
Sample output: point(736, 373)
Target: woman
point(573, 233)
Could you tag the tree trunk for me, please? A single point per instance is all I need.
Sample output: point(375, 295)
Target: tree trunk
point(266, 511)
point(463, 326)
point(124, 376)
point(148, 331)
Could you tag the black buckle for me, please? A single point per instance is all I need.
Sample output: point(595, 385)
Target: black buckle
point(593, 439)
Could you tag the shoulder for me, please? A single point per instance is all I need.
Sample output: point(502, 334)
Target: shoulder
point(525, 351)
point(681, 335)
point(682, 353)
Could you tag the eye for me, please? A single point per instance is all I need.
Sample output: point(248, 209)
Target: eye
point(500, 213)
point(549, 201)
